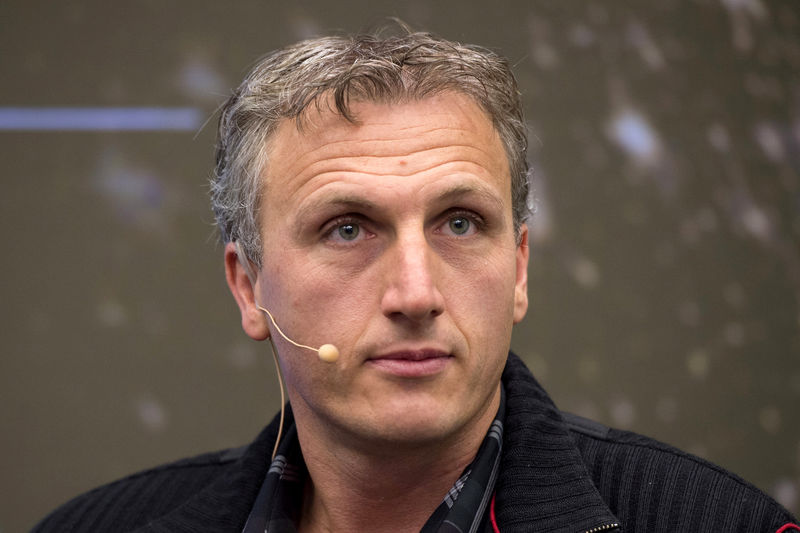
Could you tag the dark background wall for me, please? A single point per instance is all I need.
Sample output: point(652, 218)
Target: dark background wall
point(665, 274)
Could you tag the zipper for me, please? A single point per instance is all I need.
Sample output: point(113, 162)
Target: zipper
point(605, 527)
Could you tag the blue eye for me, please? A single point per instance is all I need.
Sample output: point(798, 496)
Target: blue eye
point(348, 232)
point(459, 225)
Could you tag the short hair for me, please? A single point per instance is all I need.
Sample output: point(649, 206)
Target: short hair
point(406, 67)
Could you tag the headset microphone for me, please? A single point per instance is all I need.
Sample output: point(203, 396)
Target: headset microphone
point(327, 352)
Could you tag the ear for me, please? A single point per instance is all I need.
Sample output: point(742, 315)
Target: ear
point(521, 287)
point(254, 322)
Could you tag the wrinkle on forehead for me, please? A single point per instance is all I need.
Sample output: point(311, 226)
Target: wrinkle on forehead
point(395, 165)
point(310, 151)
point(394, 140)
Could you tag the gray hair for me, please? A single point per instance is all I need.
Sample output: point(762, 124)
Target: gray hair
point(286, 82)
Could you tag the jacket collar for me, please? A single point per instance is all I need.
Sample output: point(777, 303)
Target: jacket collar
point(543, 483)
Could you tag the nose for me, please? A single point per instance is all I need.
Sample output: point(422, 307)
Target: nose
point(411, 281)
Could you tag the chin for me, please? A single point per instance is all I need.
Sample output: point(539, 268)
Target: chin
point(410, 438)
point(407, 429)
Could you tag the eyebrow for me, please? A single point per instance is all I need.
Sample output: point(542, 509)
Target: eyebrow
point(341, 200)
point(346, 201)
point(460, 190)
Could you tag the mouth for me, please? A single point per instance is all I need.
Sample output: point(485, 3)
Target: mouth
point(411, 363)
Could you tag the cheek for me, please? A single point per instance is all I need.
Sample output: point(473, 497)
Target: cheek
point(324, 290)
point(330, 305)
point(296, 284)
point(488, 285)
point(330, 276)
point(486, 302)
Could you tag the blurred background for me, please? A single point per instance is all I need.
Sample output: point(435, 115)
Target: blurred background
point(665, 273)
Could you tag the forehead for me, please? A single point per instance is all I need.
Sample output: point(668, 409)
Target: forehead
point(445, 135)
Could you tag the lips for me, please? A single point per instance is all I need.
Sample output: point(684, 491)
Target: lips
point(411, 363)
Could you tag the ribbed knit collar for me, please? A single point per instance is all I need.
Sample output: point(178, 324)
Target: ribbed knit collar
point(543, 483)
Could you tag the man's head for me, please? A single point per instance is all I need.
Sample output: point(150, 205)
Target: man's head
point(385, 223)
point(336, 71)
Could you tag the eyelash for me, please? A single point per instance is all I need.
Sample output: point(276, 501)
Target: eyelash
point(332, 226)
point(472, 216)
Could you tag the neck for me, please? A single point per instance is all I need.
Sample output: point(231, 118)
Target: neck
point(396, 496)
point(385, 488)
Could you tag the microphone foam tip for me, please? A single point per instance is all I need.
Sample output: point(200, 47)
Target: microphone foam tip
point(328, 353)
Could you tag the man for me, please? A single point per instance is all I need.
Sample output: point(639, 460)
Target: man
point(372, 194)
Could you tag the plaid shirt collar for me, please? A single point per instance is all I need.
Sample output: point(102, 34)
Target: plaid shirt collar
point(463, 510)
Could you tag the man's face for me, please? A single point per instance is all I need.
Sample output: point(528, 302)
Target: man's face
point(392, 239)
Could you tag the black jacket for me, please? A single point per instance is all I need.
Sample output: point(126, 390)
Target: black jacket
point(559, 473)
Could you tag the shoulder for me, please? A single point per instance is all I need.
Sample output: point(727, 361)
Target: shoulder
point(136, 500)
point(653, 486)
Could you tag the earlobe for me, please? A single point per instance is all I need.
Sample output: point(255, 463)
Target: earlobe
point(521, 287)
point(243, 289)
